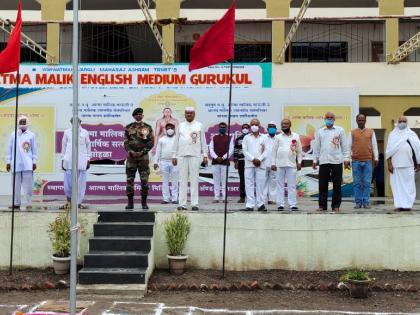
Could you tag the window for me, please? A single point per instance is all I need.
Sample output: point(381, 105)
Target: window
point(259, 52)
point(319, 52)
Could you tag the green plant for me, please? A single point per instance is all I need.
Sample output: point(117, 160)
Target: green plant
point(355, 274)
point(60, 234)
point(177, 228)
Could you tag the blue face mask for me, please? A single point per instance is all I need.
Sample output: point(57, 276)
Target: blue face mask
point(272, 131)
point(329, 122)
point(222, 131)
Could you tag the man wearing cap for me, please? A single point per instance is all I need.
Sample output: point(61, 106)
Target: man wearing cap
point(83, 160)
point(270, 184)
point(26, 158)
point(138, 141)
point(163, 160)
point(239, 160)
point(221, 149)
point(189, 150)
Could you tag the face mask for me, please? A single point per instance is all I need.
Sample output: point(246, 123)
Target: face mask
point(329, 122)
point(285, 130)
point(245, 131)
point(255, 128)
point(23, 127)
point(272, 131)
point(170, 132)
point(222, 131)
point(402, 125)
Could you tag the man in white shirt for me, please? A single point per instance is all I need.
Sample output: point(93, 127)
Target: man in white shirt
point(403, 157)
point(254, 147)
point(270, 185)
point(220, 154)
point(330, 152)
point(163, 161)
point(84, 156)
point(26, 158)
point(286, 160)
point(189, 150)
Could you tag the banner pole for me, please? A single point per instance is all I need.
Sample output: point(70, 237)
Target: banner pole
point(227, 168)
point(12, 231)
point(74, 160)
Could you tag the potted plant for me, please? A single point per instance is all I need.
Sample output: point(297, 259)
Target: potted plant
point(60, 235)
point(177, 228)
point(357, 281)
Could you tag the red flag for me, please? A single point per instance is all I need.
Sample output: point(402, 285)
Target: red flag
point(216, 44)
point(10, 56)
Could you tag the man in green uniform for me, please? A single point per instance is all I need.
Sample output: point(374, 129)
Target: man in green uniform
point(138, 141)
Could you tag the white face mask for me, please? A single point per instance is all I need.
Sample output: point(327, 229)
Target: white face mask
point(255, 128)
point(170, 132)
point(402, 125)
point(23, 127)
point(245, 131)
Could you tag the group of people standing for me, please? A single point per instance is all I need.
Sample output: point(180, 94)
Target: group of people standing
point(267, 163)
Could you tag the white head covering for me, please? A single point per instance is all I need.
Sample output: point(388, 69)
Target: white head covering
point(189, 109)
point(397, 137)
point(272, 123)
point(20, 117)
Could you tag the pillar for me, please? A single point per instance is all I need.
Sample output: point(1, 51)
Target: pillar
point(168, 9)
point(277, 9)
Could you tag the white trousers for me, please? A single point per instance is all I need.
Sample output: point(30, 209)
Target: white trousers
point(219, 181)
point(81, 185)
point(286, 174)
point(24, 181)
point(403, 187)
point(270, 185)
point(169, 172)
point(255, 178)
point(188, 167)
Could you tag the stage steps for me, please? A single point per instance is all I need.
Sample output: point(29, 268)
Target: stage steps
point(120, 251)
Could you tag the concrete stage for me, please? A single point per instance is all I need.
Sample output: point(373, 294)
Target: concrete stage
point(378, 238)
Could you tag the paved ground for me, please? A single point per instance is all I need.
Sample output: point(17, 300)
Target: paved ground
point(95, 203)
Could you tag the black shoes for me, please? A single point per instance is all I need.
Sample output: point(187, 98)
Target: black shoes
point(182, 208)
point(130, 204)
point(262, 208)
point(281, 208)
point(194, 208)
point(294, 208)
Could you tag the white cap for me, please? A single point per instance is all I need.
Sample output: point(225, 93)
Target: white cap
point(272, 123)
point(20, 117)
point(189, 109)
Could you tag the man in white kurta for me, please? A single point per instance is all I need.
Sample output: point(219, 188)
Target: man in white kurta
point(220, 154)
point(254, 147)
point(403, 148)
point(83, 165)
point(189, 151)
point(287, 160)
point(271, 181)
point(26, 158)
point(163, 161)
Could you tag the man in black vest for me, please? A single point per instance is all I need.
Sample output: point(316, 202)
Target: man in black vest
point(221, 149)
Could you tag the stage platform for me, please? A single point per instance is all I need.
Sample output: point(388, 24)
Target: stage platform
point(377, 238)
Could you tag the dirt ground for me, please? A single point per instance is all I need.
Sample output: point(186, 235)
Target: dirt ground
point(35, 278)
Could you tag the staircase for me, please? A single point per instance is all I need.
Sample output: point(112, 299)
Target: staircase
point(120, 251)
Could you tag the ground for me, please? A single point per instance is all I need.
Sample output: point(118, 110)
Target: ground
point(212, 302)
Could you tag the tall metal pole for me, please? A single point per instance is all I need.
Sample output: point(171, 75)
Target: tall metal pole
point(227, 168)
point(74, 159)
point(12, 231)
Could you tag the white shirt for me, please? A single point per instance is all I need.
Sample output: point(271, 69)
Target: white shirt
point(226, 155)
point(84, 148)
point(189, 140)
point(164, 148)
point(285, 152)
point(374, 145)
point(26, 151)
point(254, 148)
point(330, 146)
point(270, 144)
point(403, 157)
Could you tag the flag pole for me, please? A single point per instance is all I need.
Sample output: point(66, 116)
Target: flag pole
point(227, 168)
point(12, 231)
point(74, 160)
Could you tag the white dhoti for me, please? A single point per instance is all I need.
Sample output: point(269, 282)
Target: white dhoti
point(188, 167)
point(81, 185)
point(403, 187)
point(286, 174)
point(219, 181)
point(270, 185)
point(255, 178)
point(23, 183)
point(169, 172)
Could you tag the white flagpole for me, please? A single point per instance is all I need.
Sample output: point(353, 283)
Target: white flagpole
point(74, 159)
